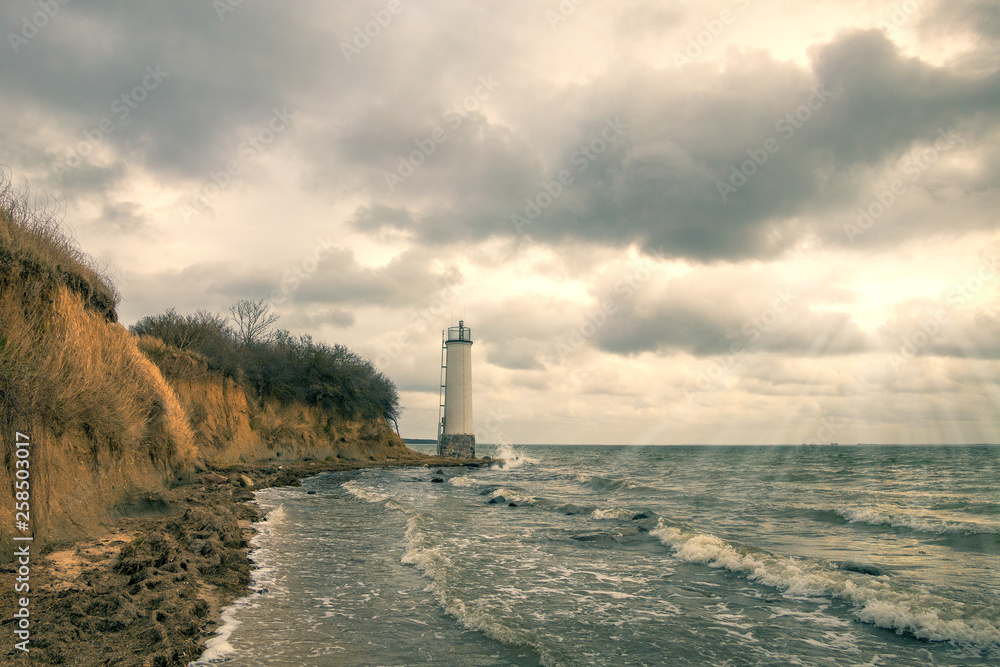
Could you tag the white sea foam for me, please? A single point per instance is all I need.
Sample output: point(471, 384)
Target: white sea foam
point(877, 600)
point(218, 647)
point(364, 494)
point(614, 578)
point(430, 560)
point(513, 458)
point(273, 518)
point(617, 595)
point(265, 584)
point(617, 513)
point(875, 518)
point(513, 495)
point(464, 481)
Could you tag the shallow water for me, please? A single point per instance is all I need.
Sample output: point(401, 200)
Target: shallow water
point(634, 556)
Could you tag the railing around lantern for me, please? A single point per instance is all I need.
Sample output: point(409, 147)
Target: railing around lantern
point(459, 334)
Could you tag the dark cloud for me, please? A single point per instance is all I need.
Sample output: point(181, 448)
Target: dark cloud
point(640, 20)
point(406, 280)
point(212, 286)
point(378, 216)
point(970, 336)
point(820, 133)
point(724, 325)
point(215, 80)
point(707, 313)
point(519, 354)
point(645, 148)
point(977, 19)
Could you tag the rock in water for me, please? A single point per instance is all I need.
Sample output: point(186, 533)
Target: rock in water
point(496, 499)
point(599, 536)
point(862, 568)
point(437, 480)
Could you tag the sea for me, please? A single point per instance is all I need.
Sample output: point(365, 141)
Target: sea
point(649, 555)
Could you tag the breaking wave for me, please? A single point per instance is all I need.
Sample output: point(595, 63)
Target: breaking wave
point(513, 495)
point(919, 524)
point(617, 513)
point(429, 559)
point(880, 601)
point(513, 458)
point(463, 480)
point(358, 491)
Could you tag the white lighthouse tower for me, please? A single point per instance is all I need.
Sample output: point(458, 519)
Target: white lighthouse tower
point(455, 435)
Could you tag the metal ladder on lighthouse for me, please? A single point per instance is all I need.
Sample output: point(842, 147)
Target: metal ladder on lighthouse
point(441, 393)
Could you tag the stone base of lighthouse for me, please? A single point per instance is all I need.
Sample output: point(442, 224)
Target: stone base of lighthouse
point(459, 446)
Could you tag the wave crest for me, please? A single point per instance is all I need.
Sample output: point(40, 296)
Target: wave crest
point(463, 480)
point(358, 491)
point(436, 566)
point(511, 457)
point(880, 601)
point(875, 518)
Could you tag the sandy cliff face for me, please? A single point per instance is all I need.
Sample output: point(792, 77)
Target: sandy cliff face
point(102, 423)
point(110, 430)
point(232, 424)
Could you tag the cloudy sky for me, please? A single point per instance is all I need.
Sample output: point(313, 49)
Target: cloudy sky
point(724, 221)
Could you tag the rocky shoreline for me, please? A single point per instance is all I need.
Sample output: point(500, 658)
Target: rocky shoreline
point(150, 591)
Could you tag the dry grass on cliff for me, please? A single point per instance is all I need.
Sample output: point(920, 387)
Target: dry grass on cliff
point(34, 248)
point(173, 362)
point(65, 363)
point(72, 370)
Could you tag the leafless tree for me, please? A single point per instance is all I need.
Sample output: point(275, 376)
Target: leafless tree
point(253, 320)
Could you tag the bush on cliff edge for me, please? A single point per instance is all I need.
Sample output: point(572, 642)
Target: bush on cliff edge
point(281, 366)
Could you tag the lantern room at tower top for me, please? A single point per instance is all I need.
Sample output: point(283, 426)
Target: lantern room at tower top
point(458, 334)
point(455, 432)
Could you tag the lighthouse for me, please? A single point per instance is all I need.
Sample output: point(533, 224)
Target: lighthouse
point(455, 435)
